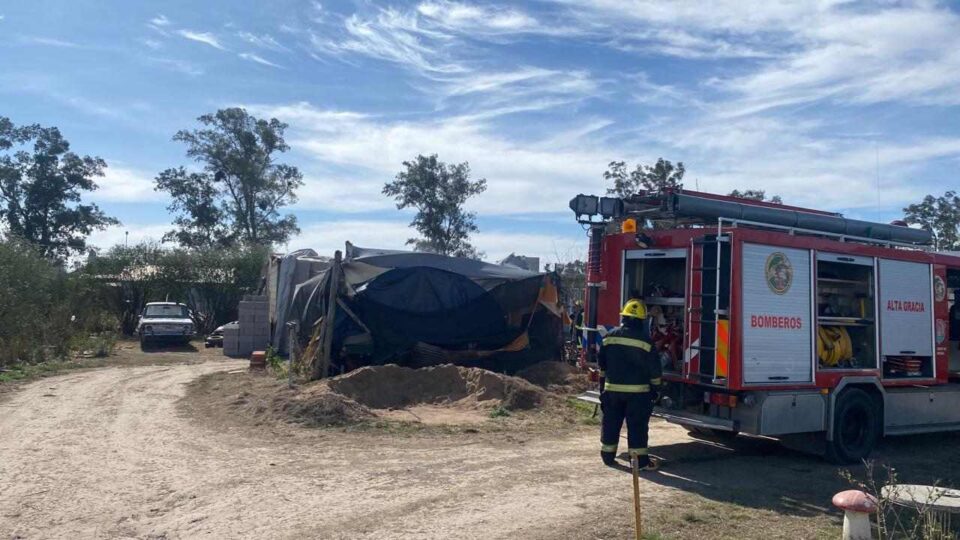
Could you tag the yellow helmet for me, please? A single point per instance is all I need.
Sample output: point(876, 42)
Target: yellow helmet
point(634, 308)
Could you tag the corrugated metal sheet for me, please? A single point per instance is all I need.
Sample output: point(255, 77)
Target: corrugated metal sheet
point(906, 320)
point(776, 319)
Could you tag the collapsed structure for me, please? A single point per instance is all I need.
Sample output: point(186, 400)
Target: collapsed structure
point(375, 307)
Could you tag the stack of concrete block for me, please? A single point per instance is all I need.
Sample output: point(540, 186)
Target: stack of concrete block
point(231, 339)
point(253, 332)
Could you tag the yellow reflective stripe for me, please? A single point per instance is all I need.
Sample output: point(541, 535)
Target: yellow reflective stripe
point(608, 447)
point(603, 373)
point(631, 388)
point(638, 451)
point(627, 342)
point(656, 382)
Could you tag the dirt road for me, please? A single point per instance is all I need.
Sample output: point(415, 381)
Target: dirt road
point(108, 453)
point(105, 453)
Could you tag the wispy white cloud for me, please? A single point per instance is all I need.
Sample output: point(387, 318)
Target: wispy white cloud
point(152, 43)
point(471, 17)
point(259, 59)
point(206, 38)
point(901, 54)
point(392, 36)
point(180, 66)
point(528, 88)
point(523, 176)
point(123, 184)
point(50, 42)
point(263, 41)
point(160, 20)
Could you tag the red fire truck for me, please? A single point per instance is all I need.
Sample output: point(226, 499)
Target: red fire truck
point(780, 321)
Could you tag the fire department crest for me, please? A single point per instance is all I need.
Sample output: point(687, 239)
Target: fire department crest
point(779, 273)
point(939, 288)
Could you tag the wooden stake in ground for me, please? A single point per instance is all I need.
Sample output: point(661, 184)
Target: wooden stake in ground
point(636, 494)
point(322, 362)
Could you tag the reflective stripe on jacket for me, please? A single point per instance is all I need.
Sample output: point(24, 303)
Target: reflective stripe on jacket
point(628, 361)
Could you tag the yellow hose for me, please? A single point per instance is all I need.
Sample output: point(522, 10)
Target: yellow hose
point(833, 345)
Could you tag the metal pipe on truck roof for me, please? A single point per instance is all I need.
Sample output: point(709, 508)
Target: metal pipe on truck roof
point(699, 207)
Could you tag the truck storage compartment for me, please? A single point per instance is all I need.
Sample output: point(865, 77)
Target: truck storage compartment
point(658, 277)
point(906, 319)
point(777, 315)
point(846, 312)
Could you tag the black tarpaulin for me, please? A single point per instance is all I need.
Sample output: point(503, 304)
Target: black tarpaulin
point(408, 305)
point(404, 299)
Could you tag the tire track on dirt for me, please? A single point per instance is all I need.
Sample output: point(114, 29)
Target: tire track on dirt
point(109, 454)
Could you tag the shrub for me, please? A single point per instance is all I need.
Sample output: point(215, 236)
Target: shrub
point(42, 308)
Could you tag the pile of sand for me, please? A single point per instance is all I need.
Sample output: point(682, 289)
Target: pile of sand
point(395, 387)
point(264, 399)
point(435, 395)
point(556, 376)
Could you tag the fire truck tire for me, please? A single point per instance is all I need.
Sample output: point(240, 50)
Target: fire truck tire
point(856, 427)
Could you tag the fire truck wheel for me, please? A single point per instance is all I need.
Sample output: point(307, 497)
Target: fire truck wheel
point(856, 427)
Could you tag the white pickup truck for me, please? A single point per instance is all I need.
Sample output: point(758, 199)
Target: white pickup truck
point(164, 322)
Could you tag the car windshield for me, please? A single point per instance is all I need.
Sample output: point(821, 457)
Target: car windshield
point(165, 311)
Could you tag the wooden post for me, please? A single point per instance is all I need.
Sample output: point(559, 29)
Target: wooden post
point(293, 336)
point(636, 496)
point(322, 364)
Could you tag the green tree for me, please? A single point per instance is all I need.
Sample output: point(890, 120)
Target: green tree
point(756, 195)
point(661, 176)
point(940, 215)
point(438, 192)
point(573, 279)
point(41, 185)
point(238, 196)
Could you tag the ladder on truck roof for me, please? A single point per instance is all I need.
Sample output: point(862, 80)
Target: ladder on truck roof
point(713, 346)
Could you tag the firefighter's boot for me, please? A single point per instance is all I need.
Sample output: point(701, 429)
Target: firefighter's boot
point(609, 458)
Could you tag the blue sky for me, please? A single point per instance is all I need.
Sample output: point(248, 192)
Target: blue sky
point(798, 98)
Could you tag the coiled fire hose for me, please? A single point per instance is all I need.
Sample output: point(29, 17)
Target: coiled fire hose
point(833, 345)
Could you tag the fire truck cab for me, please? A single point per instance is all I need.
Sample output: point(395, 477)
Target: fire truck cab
point(779, 321)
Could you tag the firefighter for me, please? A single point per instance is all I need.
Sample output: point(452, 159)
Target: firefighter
point(629, 380)
point(576, 322)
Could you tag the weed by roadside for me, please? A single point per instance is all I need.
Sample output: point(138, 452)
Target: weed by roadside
point(585, 412)
point(894, 520)
point(499, 412)
point(99, 345)
point(23, 372)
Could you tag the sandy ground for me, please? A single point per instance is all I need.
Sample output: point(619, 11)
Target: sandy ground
point(109, 453)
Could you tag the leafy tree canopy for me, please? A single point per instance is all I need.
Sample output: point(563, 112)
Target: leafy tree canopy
point(659, 177)
point(438, 192)
point(41, 187)
point(238, 196)
point(940, 215)
point(756, 195)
